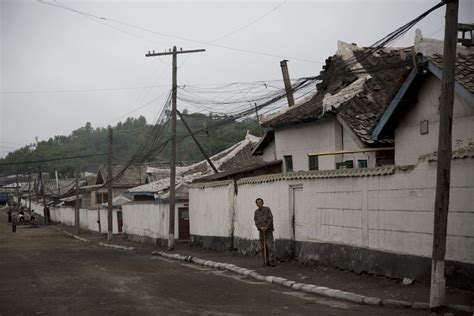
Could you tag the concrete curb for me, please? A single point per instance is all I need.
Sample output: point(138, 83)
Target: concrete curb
point(118, 247)
point(310, 288)
point(72, 235)
point(101, 244)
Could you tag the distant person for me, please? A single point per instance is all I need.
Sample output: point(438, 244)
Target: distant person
point(14, 222)
point(263, 218)
point(9, 212)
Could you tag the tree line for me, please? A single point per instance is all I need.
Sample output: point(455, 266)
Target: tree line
point(128, 136)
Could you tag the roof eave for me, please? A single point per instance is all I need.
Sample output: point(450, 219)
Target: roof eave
point(459, 88)
point(393, 104)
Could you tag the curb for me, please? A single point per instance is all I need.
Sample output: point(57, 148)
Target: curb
point(310, 288)
point(118, 247)
point(72, 235)
point(101, 244)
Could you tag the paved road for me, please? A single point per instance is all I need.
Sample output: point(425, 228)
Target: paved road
point(44, 272)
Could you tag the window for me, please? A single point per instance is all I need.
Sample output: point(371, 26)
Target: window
point(362, 163)
point(288, 163)
point(313, 163)
point(101, 198)
point(348, 164)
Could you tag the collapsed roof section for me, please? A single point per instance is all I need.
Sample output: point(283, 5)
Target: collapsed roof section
point(358, 84)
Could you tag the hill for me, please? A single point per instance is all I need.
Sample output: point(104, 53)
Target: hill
point(127, 138)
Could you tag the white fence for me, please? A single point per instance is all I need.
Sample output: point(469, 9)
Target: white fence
point(391, 212)
point(89, 219)
point(145, 220)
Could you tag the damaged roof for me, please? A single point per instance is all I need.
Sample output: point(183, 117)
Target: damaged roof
point(132, 176)
point(358, 91)
point(235, 157)
point(464, 71)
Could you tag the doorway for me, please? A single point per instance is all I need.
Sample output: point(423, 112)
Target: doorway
point(296, 201)
point(119, 221)
point(183, 223)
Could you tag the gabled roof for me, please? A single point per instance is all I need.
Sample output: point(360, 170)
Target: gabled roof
point(132, 176)
point(358, 92)
point(433, 62)
point(235, 157)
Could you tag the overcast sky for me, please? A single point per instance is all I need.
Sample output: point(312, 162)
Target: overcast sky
point(61, 69)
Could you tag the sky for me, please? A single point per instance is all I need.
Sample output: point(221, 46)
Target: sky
point(60, 68)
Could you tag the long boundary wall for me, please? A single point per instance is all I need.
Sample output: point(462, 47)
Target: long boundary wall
point(377, 220)
point(88, 218)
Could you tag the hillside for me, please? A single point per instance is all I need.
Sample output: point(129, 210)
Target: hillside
point(128, 137)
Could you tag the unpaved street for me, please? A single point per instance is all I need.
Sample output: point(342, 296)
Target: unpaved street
point(44, 272)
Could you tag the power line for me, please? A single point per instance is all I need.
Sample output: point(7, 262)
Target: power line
point(248, 24)
point(178, 37)
point(48, 160)
point(82, 90)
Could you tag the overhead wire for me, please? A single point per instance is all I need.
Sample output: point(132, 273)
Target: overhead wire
point(177, 36)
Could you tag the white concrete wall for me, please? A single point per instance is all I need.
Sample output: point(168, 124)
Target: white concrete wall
point(87, 218)
point(348, 144)
point(410, 144)
point(211, 210)
point(300, 140)
point(320, 136)
point(150, 219)
point(392, 213)
point(269, 153)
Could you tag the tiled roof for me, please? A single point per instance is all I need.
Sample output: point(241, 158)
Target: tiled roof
point(132, 176)
point(460, 153)
point(464, 72)
point(359, 94)
point(320, 174)
point(235, 157)
point(202, 185)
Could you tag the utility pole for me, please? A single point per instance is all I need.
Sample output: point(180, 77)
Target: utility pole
point(109, 186)
point(29, 190)
point(443, 175)
point(17, 191)
point(286, 80)
point(173, 136)
point(76, 208)
point(197, 143)
point(57, 181)
point(45, 208)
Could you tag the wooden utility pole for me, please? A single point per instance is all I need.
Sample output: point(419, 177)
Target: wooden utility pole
point(197, 143)
point(57, 181)
point(45, 207)
point(173, 136)
point(29, 190)
point(287, 82)
point(438, 278)
point(109, 186)
point(17, 191)
point(76, 208)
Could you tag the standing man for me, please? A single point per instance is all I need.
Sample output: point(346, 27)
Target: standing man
point(264, 221)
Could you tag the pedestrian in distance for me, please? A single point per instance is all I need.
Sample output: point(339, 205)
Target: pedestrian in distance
point(9, 212)
point(263, 218)
point(14, 222)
